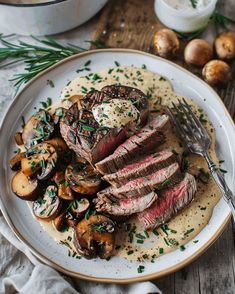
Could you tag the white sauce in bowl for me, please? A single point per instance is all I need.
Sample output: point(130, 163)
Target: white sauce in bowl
point(187, 4)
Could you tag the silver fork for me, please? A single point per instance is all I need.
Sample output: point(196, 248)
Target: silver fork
point(196, 139)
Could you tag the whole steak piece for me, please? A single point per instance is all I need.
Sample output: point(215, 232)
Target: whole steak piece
point(85, 136)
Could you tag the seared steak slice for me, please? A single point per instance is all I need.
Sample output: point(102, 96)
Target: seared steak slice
point(143, 141)
point(165, 177)
point(137, 97)
point(169, 202)
point(141, 167)
point(83, 135)
point(126, 206)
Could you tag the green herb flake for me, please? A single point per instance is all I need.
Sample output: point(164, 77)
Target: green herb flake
point(162, 78)
point(87, 63)
point(161, 250)
point(140, 269)
point(117, 63)
point(182, 248)
point(51, 83)
point(146, 233)
point(130, 252)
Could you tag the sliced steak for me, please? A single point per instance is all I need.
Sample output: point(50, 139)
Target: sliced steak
point(165, 177)
point(85, 136)
point(141, 167)
point(143, 141)
point(169, 202)
point(126, 206)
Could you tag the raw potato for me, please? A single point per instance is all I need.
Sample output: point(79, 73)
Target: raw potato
point(95, 237)
point(225, 45)
point(165, 43)
point(217, 72)
point(24, 188)
point(198, 52)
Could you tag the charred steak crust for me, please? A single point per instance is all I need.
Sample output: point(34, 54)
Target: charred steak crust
point(83, 134)
point(144, 141)
point(141, 167)
point(137, 97)
point(169, 203)
point(126, 206)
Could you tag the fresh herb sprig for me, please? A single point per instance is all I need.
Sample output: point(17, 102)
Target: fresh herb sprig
point(36, 57)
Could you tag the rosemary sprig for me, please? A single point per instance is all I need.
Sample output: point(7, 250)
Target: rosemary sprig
point(36, 57)
point(194, 3)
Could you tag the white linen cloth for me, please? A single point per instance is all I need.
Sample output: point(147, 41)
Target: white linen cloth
point(21, 272)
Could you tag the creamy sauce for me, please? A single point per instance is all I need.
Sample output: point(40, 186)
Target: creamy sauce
point(187, 4)
point(189, 222)
point(115, 113)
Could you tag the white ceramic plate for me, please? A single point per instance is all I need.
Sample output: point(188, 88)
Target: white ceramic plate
point(116, 270)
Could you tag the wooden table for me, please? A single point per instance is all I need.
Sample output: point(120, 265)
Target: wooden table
point(131, 24)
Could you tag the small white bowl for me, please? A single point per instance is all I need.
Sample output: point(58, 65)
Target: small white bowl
point(46, 18)
point(185, 21)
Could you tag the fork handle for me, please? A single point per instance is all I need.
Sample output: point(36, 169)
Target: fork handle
point(220, 181)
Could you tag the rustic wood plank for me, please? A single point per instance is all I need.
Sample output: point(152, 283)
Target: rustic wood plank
point(132, 24)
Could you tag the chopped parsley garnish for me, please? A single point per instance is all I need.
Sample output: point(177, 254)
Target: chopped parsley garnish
point(182, 248)
point(146, 234)
point(87, 63)
point(87, 214)
point(46, 104)
point(140, 269)
point(161, 250)
point(162, 78)
point(166, 241)
point(117, 63)
point(110, 70)
point(140, 241)
point(194, 3)
point(195, 241)
point(140, 236)
point(223, 171)
point(155, 232)
point(69, 238)
point(88, 128)
point(165, 184)
point(143, 66)
point(130, 252)
point(51, 83)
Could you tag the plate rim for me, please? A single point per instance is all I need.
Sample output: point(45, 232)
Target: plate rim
point(141, 278)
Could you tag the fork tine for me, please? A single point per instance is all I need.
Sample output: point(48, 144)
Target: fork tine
point(195, 119)
point(179, 128)
point(186, 127)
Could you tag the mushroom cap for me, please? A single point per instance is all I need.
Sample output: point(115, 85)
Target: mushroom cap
point(198, 52)
point(95, 237)
point(216, 72)
point(165, 43)
point(225, 45)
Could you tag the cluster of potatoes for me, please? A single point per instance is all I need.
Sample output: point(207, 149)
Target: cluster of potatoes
point(199, 53)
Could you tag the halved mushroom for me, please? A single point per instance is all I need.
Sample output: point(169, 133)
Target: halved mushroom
point(38, 128)
point(60, 222)
point(83, 179)
point(79, 207)
point(95, 237)
point(48, 207)
point(24, 188)
point(18, 138)
point(40, 157)
point(64, 191)
point(15, 161)
point(59, 144)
